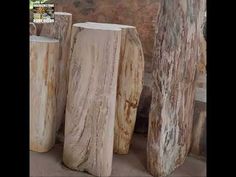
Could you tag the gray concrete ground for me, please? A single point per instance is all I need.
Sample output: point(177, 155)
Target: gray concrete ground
point(134, 164)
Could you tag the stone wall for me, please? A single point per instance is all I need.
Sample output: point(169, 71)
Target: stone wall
point(139, 13)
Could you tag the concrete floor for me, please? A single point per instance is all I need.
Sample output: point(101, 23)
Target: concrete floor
point(133, 164)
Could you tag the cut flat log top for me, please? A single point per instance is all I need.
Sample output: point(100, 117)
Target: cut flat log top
point(34, 38)
point(108, 24)
point(87, 25)
point(62, 13)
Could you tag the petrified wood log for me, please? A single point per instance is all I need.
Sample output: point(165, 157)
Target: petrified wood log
point(175, 58)
point(91, 100)
point(43, 81)
point(129, 86)
point(60, 29)
point(138, 13)
point(198, 145)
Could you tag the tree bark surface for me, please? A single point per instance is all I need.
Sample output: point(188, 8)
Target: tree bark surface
point(178, 28)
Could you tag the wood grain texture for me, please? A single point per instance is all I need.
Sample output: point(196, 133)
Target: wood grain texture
point(129, 85)
point(60, 29)
point(43, 76)
point(90, 110)
point(178, 28)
